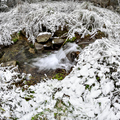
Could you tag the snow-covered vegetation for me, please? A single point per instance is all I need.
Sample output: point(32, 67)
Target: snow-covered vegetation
point(82, 18)
point(90, 91)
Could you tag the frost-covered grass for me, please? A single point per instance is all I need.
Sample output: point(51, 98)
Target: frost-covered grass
point(82, 18)
point(91, 91)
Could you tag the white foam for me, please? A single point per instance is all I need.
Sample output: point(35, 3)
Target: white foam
point(57, 59)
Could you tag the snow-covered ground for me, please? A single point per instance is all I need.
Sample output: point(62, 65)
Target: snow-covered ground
point(91, 91)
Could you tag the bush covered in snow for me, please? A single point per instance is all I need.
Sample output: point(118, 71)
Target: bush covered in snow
point(81, 18)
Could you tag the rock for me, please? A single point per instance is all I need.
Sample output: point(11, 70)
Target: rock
point(105, 3)
point(58, 41)
point(72, 55)
point(39, 47)
point(44, 37)
point(9, 63)
point(47, 45)
point(60, 32)
point(31, 50)
point(110, 8)
point(2, 46)
point(88, 39)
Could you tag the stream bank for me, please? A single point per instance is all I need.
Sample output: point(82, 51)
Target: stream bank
point(28, 56)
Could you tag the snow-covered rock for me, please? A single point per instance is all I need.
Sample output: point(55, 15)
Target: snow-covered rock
point(43, 37)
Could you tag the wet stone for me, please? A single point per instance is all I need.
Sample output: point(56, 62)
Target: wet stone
point(58, 41)
point(39, 47)
point(47, 45)
point(60, 32)
point(31, 50)
point(72, 56)
point(44, 37)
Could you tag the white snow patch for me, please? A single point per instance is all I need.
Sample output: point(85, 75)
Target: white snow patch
point(44, 33)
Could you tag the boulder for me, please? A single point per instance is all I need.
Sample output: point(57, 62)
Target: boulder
point(58, 41)
point(44, 37)
point(102, 3)
point(105, 3)
point(118, 9)
point(18, 52)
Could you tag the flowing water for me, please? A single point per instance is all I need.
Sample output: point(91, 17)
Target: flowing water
point(58, 59)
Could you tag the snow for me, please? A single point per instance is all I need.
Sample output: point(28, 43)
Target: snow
point(44, 33)
point(90, 91)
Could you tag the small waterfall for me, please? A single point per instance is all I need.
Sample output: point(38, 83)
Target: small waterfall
point(58, 59)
